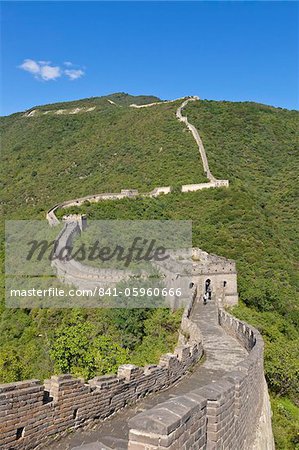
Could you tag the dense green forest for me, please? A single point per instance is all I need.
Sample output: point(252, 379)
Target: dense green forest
point(53, 158)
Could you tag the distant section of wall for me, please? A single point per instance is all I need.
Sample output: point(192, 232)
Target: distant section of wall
point(222, 274)
point(51, 216)
point(128, 193)
point(162, 102)
point(213, 182)
point(209, 185)
point(95, 198)
point(223, 415)
point(33, 413)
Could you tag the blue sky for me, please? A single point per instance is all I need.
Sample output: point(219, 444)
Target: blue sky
point(237, 51)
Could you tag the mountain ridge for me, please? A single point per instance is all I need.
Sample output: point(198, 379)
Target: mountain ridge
point(125, 99)
point(121, 98)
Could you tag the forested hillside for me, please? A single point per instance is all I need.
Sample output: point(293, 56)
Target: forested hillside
point(52, 158)
point(55, 157)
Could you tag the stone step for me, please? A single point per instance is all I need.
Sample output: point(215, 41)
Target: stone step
point(107, 443)
point(114, 443)
point(92, 446)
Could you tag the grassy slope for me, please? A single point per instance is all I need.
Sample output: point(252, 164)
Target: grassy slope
point(253, 221)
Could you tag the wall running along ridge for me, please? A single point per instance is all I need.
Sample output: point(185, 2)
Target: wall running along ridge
point(213, 182)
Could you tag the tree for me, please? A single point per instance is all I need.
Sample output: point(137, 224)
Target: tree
point(108, 355)
point(10, 365)
point(79, 351)
point(282, 367)
point(71, 350)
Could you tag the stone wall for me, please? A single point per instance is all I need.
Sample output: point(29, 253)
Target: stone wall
point(38, 112)
point(231, 413)
point(74, 273)
point(95, 198)
point(212, 183)
point(222, 274)
point(222, 415)
point(128, 193)
point(201, 186)
point(33, 413)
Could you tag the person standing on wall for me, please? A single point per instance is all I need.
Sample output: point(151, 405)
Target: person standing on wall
point(205, 298)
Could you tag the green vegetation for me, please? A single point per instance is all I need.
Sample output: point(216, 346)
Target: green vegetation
point(85, 342)
point(47, 159)
point(253, 222)
point(285, 423)
point(84, 348)
point(120, 98)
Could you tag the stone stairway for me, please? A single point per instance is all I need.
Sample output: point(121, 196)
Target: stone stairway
point(222, 353)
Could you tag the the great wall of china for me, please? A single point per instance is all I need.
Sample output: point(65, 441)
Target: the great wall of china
point(232, 412)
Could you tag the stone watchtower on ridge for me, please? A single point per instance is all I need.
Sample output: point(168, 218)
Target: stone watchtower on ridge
point(216, 276)
point(212, 275)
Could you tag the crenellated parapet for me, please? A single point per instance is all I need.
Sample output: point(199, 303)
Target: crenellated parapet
point(225, 414)
point(232, 412)
point(33, 413)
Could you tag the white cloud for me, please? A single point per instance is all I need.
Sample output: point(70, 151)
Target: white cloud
point(73, 74)
point(50, 72)
point(41, 69)
point(30, 66)
point(44, 70)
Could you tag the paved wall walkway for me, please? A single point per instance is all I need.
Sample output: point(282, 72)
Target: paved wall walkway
point(196, 136)
point(222, 353)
